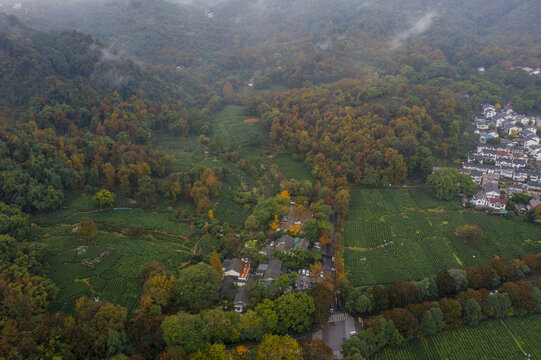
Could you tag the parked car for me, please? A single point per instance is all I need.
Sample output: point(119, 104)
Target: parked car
point(271, 244)
point(303, 271)
point(310, 285)
point(298, 222)
point(301, 283)
point(331, 310)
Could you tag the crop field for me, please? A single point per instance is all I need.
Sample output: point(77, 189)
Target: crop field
point(229, 123)
point(492, 339)
point(407, 234)
point(185, 152)
point(293, 169)
point(116, 276)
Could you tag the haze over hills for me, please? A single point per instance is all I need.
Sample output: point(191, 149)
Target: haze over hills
point(270, 179)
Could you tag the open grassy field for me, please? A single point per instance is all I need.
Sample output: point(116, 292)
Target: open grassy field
point(408, 234)
point(116, 276)
point(293, 169)
point(492, 339)
point(230, 124)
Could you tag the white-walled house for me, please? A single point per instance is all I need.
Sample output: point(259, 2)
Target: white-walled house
point(491, 190)
point(497, 204)
point(488, 110)
point(479, 199)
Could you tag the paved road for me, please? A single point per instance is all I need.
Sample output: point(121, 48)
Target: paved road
point(337, 330)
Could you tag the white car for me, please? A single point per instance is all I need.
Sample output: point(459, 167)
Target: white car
point(307, 272)
point(298, 222)
point(303, 271)
point(271, 244)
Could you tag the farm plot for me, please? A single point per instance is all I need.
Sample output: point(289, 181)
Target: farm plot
point(425, 200)
point(185, 152)
point(364, 234)
point(230, 124)
point(115, 277)
point(492, 339)
point(423, 241)
point(293, 169)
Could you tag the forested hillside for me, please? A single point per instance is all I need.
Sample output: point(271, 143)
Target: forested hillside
point(220, 179)
point(76, 117)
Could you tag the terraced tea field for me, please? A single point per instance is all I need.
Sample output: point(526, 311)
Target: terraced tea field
point(408, 234)
point(116, 276)
point(492, 339)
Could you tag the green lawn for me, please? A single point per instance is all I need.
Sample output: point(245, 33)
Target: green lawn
point(491, 340)
point(292, 168)
point(229, 123)
point(408, 234)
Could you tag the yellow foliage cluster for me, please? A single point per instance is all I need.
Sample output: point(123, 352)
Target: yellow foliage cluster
point(274, 224)
point(295, 229)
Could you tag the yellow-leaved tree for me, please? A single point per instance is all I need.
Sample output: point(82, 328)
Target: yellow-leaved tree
point(215, 262)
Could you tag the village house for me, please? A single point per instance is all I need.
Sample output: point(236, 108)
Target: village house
point(522, 208)
point(530, 140)
point(518, 163)
point(288, 243)
point(533, 187)
point(520, 175)
point(482, 124)
point(490, 178)
point(513, 190)
point(488, 111)
point(241, 300)
point(476, 176)
point(535, 175)
point(237, 270)
point(490, 135)
point(273, 270)
point(532, 204)
point(507, 172)
point(475, 158)
point(496, 204)
point(504, 161)
point(512, 129)
point(491, 190)
point(479, 200)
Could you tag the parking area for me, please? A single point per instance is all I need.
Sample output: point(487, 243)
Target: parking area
point(304, 282)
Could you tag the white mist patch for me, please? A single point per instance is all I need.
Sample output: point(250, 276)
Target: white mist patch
point(420, 26)
point(324, 45)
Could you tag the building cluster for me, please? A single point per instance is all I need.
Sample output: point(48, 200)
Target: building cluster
point(529, 70)
point(237, 272)
point(507, 157)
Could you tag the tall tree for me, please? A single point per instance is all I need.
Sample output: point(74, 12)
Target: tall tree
point(87, 227)
point(216, 263)
point(197, 287)
point(278, 348)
